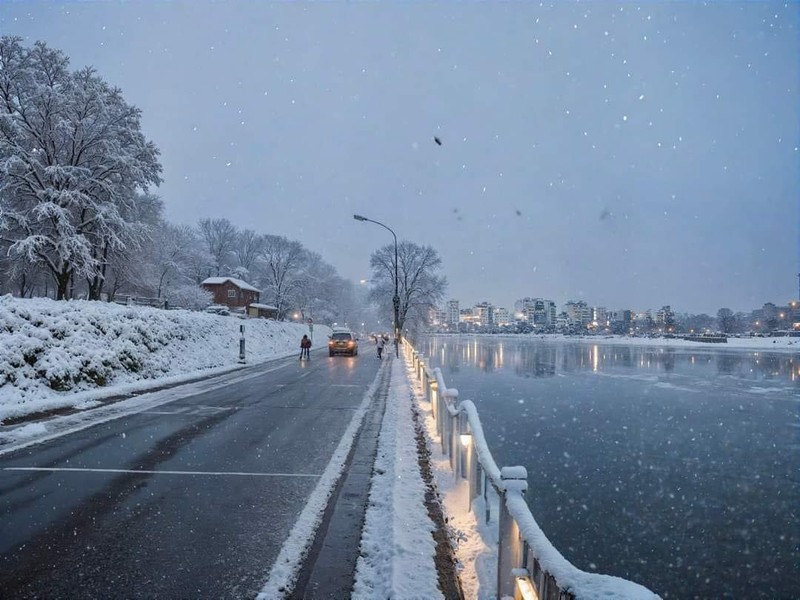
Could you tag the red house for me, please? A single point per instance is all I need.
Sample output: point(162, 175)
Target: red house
point(231, 292)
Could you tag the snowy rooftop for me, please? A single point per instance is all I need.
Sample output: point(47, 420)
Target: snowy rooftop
point(237, 282)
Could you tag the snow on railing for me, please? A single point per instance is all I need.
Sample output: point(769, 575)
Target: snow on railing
point(526, 560)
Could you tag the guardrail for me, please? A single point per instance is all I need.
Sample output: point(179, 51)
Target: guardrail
point(528, 565)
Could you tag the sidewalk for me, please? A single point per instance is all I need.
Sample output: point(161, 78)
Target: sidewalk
point(379, 536)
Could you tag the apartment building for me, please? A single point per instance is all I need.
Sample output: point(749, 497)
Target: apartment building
point(453, 313)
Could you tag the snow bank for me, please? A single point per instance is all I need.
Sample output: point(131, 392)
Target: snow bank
point(397, 545)
point(53, 353)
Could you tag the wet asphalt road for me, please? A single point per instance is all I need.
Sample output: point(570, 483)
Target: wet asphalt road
point(192, 499)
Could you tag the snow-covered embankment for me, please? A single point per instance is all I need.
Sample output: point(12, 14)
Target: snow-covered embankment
point(63, 354)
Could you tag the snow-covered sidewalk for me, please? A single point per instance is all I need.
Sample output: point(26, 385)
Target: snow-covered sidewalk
point(397, 545)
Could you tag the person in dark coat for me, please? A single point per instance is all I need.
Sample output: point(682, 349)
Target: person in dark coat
point(305, 347)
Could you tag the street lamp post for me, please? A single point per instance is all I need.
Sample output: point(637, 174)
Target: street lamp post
point(396, 298)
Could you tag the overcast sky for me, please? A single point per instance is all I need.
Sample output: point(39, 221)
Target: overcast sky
point(627, 154)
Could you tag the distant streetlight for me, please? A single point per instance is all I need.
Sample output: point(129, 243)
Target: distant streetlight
point(396, 298)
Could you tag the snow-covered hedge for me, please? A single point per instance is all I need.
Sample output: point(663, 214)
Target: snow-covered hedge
point(50, 351)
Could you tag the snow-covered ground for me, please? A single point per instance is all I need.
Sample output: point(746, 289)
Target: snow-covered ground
point(71, 354)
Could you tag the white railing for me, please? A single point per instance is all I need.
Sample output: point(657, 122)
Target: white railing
point(528, 565)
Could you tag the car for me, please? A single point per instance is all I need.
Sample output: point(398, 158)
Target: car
point(342, 342)
point(218, 309)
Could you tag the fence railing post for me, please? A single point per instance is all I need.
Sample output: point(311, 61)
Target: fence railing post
point(455, 451)
point(509, 549)
point(445, 420)
point(434, 400)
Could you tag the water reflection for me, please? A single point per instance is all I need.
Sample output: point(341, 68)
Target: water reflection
point(543, 358)
point(674, 467)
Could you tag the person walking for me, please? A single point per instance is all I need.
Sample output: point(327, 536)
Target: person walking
point(381, 343)
point(305, 347)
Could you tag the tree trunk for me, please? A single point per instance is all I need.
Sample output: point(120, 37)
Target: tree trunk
point(97, 282)
point(63, 279)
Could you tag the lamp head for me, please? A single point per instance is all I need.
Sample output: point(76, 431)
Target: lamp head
point(360, 218)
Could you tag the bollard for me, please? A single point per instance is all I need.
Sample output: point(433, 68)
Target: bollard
point(509, 544)
point(241, 344)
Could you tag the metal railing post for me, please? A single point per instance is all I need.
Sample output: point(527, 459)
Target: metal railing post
point(463, 442)
point(455, 451)
point(445, 424)
point(434, 399)
point(509, 547)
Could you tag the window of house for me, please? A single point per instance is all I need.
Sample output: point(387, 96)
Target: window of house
point(231, 293)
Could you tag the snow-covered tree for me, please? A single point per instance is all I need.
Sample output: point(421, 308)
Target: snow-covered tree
point(168, 258)
point(72, 159)
point(281, 262)
point(120, 262)
point(314, 287)
point(247, 248)
point(726, 320)
point(420, 288)
point(220, 237)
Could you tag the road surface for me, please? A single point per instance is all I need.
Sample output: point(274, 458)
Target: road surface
point(193, 498)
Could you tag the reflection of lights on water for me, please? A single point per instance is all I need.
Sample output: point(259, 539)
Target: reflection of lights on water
point(595, 358)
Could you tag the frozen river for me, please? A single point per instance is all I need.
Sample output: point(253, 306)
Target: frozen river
point(676, 468)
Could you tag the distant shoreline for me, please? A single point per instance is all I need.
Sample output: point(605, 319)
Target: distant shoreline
point(746, 344)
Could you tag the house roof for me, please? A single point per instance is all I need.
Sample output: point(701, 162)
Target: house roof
point(242, 285)
point(263, 306)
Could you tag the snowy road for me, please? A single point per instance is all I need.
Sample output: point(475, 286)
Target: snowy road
point(192, 498)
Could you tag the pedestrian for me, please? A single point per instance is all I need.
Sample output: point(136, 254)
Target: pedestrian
point(305, 347)
point(381, 343)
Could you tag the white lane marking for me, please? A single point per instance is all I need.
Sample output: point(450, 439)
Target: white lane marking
point(80, 470)
point(198, 410)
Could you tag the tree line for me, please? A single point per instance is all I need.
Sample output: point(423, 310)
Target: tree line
point(79, 219)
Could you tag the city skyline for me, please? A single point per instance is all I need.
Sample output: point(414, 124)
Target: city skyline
point(561, 306)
